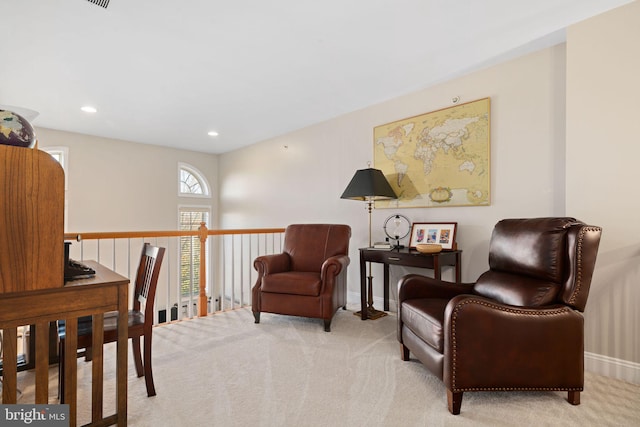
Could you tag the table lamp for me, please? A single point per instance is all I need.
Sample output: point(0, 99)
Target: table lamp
point(369, 185)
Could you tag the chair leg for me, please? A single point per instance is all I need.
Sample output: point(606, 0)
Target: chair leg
point(327, 325)
point(148, 373)
point(61, 371)
point(404, 352)
point(454, 401)
point(256, 315)
point(574, 397)
point(137, 356)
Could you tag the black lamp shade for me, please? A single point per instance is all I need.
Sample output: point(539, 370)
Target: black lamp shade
point(369, 184)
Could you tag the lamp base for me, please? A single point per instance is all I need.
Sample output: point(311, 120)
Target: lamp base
point(372, 313)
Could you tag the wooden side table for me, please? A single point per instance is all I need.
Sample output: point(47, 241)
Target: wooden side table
point(407, 258)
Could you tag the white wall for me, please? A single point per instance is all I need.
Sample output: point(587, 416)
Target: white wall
point(123, 186)
point(299, 177)
point(603, 149)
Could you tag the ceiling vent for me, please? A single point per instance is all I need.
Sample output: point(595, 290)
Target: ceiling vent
point(103, 3)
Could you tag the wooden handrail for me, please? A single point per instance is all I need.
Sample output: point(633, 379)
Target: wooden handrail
point(202, 232)
point(168, 233)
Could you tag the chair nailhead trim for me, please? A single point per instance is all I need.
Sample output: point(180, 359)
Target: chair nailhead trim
point(576, 291)
point(517, 389)
point(454, 343)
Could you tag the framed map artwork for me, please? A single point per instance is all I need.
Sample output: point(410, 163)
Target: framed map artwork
point(436, 159)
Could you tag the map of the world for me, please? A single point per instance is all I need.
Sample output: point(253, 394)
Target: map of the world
point(437, 159)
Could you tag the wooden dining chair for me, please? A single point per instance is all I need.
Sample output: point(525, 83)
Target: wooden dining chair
point(140, 321)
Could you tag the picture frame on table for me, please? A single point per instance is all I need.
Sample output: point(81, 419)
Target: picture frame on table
point(440, 233)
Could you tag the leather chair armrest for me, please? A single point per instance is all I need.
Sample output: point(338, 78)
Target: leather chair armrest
point(487, 342)
point(272, 264)
point(331, 269)
point(332, 266)
point(413, 286)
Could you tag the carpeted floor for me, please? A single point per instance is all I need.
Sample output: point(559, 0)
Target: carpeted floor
point(224, 370)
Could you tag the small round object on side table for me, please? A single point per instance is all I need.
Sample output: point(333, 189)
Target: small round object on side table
point(429, 248)
point(397, 227)
point(16, 130)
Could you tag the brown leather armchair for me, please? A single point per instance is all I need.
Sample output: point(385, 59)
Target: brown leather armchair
point(309, 278)
point(519, 326)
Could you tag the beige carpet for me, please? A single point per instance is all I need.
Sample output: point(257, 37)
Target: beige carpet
point(224, 370)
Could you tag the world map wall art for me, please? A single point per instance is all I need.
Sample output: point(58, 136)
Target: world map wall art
point(436, 159)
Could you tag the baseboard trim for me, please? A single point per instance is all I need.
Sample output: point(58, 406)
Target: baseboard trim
point(612, 367)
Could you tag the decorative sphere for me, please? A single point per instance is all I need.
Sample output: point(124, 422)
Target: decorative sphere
point(16, 130)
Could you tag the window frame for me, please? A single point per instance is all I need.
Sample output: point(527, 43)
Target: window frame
point(64, 151)
point(204, 184)
point(64, 154)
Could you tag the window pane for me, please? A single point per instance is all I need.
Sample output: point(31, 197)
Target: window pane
point(57, 155)
point(190, 251)
point(189, 184)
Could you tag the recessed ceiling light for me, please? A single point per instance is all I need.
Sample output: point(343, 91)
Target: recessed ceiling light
point(212, 133)
point(89, 109)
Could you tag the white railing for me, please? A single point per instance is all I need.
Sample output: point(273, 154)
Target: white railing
point(225, 267)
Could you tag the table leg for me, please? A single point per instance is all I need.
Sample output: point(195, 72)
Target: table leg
point(97, 367)
point(363, 288)
point(71, 368)
point(437, 274)
point(42, 362)
point(10, 365)
point(386, 287)
point(458, 267)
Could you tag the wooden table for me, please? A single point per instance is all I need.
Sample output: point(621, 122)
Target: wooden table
point(107, 291)
point(407, 258)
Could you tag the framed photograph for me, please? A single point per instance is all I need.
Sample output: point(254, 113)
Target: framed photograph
point(441, 233)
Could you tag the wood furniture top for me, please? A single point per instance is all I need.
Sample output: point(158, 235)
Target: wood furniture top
point(31, 220)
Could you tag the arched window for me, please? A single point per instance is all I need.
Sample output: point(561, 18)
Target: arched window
point(192, 182)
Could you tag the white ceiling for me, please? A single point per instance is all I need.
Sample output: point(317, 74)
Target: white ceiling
point(166, 72)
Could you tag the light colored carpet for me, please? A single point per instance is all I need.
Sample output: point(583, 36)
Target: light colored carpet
point(224, 370)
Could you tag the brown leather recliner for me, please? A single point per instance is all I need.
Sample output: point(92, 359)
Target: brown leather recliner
point(309, 278)
point(519, 326)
